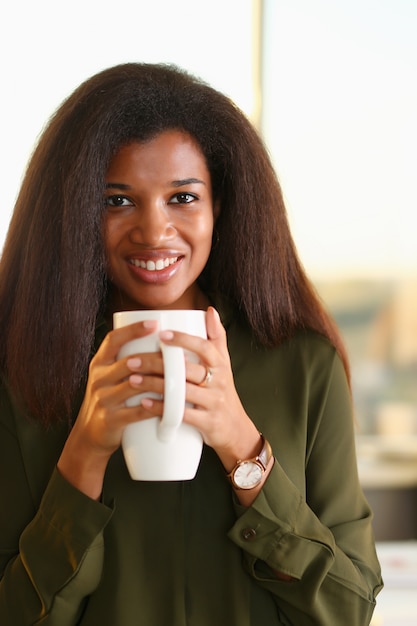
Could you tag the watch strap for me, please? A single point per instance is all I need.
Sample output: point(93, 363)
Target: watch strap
point(265, 454)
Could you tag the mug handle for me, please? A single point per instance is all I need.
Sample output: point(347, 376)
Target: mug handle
point(174, 392)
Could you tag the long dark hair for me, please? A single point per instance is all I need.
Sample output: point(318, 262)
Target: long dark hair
point(52, 271)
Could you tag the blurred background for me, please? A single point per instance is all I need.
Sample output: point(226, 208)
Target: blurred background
point(332, 87)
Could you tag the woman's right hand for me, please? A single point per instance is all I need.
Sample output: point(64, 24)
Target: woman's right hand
point(98, 429)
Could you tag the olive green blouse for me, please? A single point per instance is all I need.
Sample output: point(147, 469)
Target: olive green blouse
point(186, 553)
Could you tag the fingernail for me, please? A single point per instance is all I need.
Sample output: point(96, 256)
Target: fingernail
point(166, 335)
point(135, 380)
point(216, 313)
point(147, 403)
point(150, 323)
point(134, 363)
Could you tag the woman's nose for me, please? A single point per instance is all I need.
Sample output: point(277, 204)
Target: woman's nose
point(152, 226)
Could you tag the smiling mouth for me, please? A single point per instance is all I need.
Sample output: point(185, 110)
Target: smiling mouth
point(154, 266)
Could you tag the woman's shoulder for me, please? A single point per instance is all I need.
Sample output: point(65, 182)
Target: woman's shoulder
point(301, 340)
point(307, 344)
point(311, 342)
point(314, 355)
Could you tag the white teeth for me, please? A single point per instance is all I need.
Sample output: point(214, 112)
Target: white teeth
point(153, 266)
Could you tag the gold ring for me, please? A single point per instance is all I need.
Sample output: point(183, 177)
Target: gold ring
point(207, 378)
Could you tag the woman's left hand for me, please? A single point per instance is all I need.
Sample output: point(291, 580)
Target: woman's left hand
point(216, 410)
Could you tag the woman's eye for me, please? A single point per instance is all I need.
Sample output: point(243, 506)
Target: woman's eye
point(183, 198)
point(118, 201)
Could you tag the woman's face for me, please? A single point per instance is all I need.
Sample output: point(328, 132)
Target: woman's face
point(159, 223)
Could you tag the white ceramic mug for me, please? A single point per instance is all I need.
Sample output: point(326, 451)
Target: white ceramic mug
point(163, 449)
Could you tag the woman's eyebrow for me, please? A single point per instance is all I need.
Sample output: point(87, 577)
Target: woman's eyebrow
point(186, 181)
point(118, 186)
point(174, 183)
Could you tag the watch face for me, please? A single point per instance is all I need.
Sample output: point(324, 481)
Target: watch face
point(248, 475)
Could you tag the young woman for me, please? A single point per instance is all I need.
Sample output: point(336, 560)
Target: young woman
point(151, 190)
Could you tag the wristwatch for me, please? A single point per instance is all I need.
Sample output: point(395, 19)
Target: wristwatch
point(248, 474)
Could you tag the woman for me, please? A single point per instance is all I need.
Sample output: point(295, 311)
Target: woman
point(149, 189)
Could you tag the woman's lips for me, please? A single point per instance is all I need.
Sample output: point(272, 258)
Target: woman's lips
point(155, 270)
point(154, 265)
